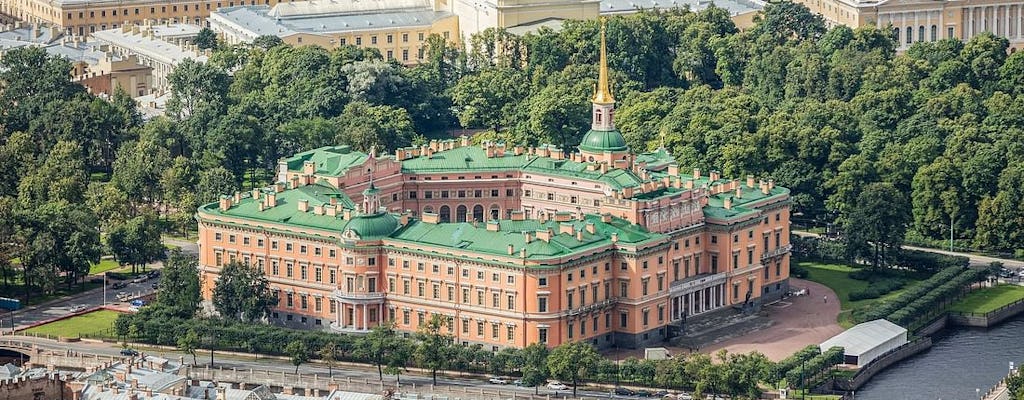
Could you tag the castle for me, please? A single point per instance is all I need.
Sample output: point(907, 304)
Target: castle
point(512, 245)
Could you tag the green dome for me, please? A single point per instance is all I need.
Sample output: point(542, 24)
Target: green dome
point(373, 226)
point(601, 141)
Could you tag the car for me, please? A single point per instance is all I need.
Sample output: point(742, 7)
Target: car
point(556, 385)
point(642, 393)
point(77, 308)
point(518, 382)
point(140, 279)
point(119, 285)
point(129, 352)
point(122, 296)
point(661, 393)
point(153, 274)
point(155, 285)
point(621, 391)
point(497, 380)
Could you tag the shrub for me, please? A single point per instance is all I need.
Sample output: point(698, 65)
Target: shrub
point(924, 261)
point(877, 289)
point(797, 271)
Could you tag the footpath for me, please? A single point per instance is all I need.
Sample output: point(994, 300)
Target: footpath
point(975, 259)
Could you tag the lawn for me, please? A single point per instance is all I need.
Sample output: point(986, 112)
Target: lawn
point(837, 278)
point(984, 301)
point(103, 266)
point(91, 323)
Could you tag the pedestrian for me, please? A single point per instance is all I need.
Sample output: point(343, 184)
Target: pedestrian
point(826, 299)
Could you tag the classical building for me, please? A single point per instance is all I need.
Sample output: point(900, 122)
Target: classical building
point(927, 21)
point(158, 47)
point(398, 28)
point(512, 245)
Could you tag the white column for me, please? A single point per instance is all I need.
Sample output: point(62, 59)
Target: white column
point(1019, 21)
point(365, 323)
point(689, 300)
point(968, 33)
point(928, 27)
point(1006, 21)
point(917, 27)
point(903, 30)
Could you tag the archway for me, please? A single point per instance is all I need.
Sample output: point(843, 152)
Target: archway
point(495, 211)
point(460, 214)
point(446, 214)
point(478, 213)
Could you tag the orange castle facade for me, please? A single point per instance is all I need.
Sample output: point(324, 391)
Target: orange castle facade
point(513, 245)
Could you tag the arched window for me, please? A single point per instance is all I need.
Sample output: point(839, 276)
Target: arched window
point(896, 34)
point(478, 213)
point(428, 209)
point(495, 211)
point(920, 33)
point(910, 34)
point(460, 214)
point(446, 214)
point(935, 33)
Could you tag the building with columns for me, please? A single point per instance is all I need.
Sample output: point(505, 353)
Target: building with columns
point(513, 245)
point(925, 20)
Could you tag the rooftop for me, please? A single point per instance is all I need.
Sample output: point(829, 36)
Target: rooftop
point(263, 20)
point(146, 46)
point(735, 7)
point(865, 336)
point(330, 161)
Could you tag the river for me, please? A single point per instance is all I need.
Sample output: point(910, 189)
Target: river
point(960, 361)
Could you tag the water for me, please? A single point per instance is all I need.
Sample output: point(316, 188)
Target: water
point(960, 361)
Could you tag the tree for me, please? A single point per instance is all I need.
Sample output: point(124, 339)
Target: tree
point(243, 293)
point(206, 39)
point(121, 327)
point(329, 355)
point(786, 20)
point(878, 222)
point(266, 42)
point(189, 343)
point(215, 182)
point(489, 98)
point(138, 170)
point(298, 352)
point(434, 347)
point(383, 347)
point(364, 126)
point(137, 241)
point(195, 85)
point(572, 361)
point(62, 177)
point(179, 286)
point(535, 365)
point(60, 240)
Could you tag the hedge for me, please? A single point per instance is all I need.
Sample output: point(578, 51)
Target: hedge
point(877, 289)
point(815, 366)
point(794, 361)
point(887, 308)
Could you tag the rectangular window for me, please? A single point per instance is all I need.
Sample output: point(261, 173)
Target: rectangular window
point(318, 274)
point(288, 270)
point(420, 289)
point(465, 295)
point(542, 304)
point(643, 286)
point(623, 319)
point(332, 274)
point(302, 272)
point(511, 302)
point(623, 289)
point(568, 297)
point(479, 328)
point(570, 329)
point(494, 300)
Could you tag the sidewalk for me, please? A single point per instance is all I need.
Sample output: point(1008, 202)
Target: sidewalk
point(976, 259)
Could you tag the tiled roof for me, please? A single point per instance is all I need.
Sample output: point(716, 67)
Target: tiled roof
point(468, 158)
point(330, 161)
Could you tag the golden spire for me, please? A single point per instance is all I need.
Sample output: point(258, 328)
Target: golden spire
point(603, 94)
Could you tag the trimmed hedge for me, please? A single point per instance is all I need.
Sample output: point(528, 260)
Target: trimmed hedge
point(794, 361)
point(930, 262)
point(815, 366)
point(877, 289)
point(886, 309)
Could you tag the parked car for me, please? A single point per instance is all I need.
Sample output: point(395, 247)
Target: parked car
point(77, 308)
point(153, 274)
point(518, 382)
point(556, 385)
point(661, 393)
point(140, 279)
point(156, 285)
point(497, 380)
point(129, 352)
point(119, 285)
point(621, 391)
point(642, 393)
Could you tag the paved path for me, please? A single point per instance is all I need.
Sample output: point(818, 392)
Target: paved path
point(60, 307)
point(186, 246)
point(976, 259)
point(799, 321)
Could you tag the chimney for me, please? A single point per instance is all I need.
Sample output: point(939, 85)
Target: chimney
point(346, 214)
point(308, 167)
point(493, 226)
point(225, 202)
point(303, 205)
point(318, 209)
point(727, 203)
point(565, 228)
point(278, 187)
point(673, 169)
point(517, 215)
point(544, 234)
point(606, 218)
point(238, 197)
point(750, 181)
point(256, 194)
point(331, 210)
point(522, 252)
point(527, 237)
point(696, 173)
point(579, 236)
point(771, 184)
point(764, 187)
point(714, 176)
point(739, 192)
point(135, 381)
point(590, 228)
point(615, 237)
point(271, 200)
point(464, 140)
point(511, 250)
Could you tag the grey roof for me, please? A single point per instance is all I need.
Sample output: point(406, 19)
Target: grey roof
point(258, 20)
point(340, 395)
point(302, 9)
point(42, 35)
point(8, 370)
point(155, 49)
point(865, 336)
point(734, 7)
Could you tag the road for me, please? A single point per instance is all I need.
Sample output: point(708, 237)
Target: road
point(53, 309)
point(186, 246)
point(976, 259)
point(354, 371)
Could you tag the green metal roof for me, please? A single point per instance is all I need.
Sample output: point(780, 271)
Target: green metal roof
point(466, 158)
point(601, 141)
point(330, 161)
point(476, 238)
point(373, 226)
point(616, 178)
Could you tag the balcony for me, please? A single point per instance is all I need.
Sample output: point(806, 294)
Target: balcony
point(347, 329)
point(591, 307)
point(695, 283)
point(374, 297)
point(778, 251)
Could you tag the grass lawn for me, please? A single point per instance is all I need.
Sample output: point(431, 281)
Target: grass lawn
point(983, 301)
point(93, 322)
point(837, 278)
point(103, 266)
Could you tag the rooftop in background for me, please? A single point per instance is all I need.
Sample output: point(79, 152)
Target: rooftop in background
point(288, 20)
point(148, 45)
point(12, 35)
point(611, 7)
point(306, 9)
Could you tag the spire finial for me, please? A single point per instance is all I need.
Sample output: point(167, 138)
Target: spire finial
point(603, 95)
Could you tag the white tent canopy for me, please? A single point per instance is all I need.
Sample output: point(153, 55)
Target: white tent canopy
point(867, 341)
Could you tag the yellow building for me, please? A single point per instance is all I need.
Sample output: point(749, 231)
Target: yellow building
point(81, 17)
point(927, 20)
point(398, 28)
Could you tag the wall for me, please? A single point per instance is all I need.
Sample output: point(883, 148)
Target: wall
point(866, 372)
point(41, 388)
point(987, 320)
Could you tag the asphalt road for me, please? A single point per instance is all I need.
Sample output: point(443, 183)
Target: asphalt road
point(976, 259)
point(61, 307)
point(355, 372)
